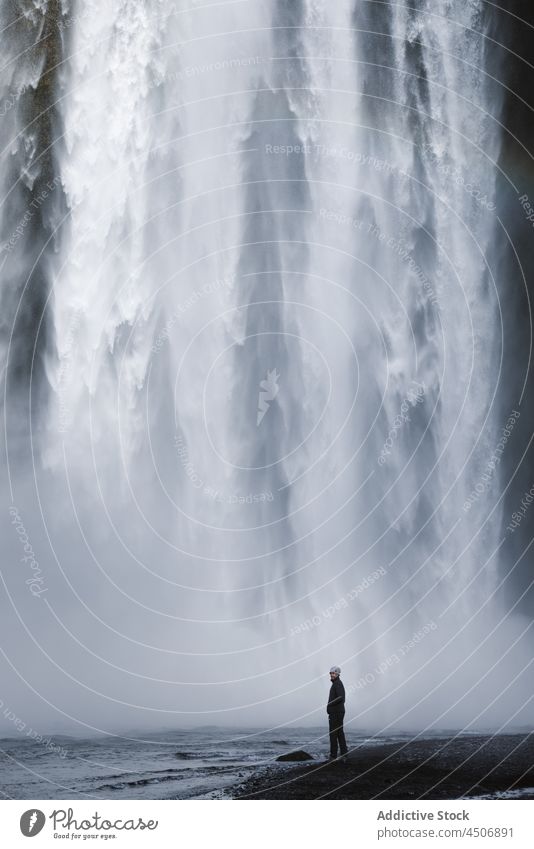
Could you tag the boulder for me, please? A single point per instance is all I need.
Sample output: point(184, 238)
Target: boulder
point(299, 755)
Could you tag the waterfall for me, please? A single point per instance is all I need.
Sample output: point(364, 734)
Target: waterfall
point(262, 339)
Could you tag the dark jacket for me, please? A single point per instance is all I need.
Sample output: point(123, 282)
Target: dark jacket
point(336, 699)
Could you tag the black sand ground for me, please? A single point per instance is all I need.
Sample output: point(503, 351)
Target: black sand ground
point(439, 768)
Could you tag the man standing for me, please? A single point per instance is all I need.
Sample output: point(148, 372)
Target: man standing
point(336, 711)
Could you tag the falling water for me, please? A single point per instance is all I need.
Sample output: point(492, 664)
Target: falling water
point(266, 353)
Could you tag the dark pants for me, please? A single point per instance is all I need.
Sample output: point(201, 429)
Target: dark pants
point(337, 735)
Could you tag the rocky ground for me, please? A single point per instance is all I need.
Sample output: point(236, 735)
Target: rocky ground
point(437, 768)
